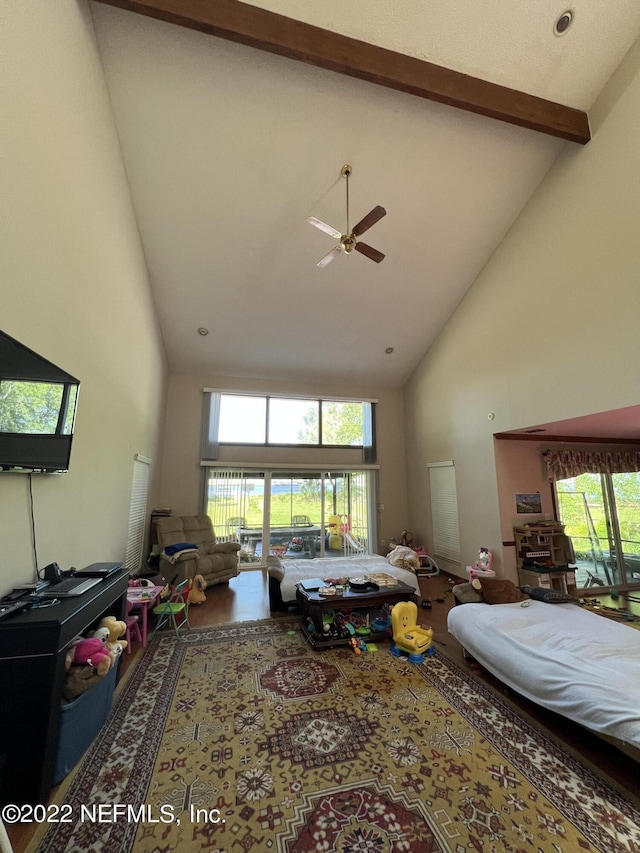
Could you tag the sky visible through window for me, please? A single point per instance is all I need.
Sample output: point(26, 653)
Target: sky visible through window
point(242, 419)
point(291, 420)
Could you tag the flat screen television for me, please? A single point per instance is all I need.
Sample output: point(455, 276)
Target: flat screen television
point(37, 410)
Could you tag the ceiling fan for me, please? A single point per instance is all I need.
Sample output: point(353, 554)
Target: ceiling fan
point(348, 241)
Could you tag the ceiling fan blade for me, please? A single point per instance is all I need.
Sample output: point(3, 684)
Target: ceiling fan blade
point(329, 257)
point(370, 252)
point(370, 219)
point(329, 229)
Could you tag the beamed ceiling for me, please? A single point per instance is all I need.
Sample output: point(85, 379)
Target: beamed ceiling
point(236, 119)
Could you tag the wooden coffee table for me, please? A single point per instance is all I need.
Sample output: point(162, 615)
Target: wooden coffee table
point(313, 606)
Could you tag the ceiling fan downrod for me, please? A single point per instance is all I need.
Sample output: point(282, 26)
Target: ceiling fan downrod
point(348, 241)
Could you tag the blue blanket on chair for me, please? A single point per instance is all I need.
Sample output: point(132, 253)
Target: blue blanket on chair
point(180, 546)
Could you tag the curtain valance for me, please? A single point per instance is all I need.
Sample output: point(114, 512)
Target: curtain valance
point(563, 464)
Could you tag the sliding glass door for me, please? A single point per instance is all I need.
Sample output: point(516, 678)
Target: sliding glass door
point(601, 514)
point(300, 514)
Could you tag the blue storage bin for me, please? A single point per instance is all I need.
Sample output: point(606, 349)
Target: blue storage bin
point(80, 722)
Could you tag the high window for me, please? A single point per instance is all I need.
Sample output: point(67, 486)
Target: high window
point(258, 419)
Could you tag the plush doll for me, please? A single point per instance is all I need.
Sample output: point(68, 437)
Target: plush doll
point(78, 680)
point(484, 561)
point(406, 539)
point(196, 590)
point(498, 590)
point(91, 650)
point(114, 628)
point(71, 648)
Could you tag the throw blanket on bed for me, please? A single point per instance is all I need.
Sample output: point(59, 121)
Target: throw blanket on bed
point(404, 558)
point(294, 571)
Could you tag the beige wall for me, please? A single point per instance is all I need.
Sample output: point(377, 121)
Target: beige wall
point(74, 287)
point(548, 331)
point(181, 483)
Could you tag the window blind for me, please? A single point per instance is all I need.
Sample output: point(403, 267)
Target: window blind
point(137, 512)
point(444, 510)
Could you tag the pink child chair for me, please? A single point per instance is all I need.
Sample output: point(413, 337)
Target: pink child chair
point(133, 627)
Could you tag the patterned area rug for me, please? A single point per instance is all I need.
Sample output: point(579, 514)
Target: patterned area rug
point(241, 737)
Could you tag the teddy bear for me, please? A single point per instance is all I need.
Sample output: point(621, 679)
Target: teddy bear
point(91, 650)
point(498, 590)
point(109, 631)
point(78, 680)
point(196, 590)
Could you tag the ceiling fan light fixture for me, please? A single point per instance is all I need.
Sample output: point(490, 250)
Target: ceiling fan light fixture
point(348, 241)
point(563, 22)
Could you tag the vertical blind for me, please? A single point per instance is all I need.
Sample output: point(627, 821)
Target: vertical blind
point(444, 510)
point(137, 512)
point(227, 487)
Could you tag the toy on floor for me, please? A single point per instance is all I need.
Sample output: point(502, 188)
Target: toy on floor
point(408, 636)
point(359, 645)
point(196, 590)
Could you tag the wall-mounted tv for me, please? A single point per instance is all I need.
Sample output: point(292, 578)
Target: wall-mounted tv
point(37, 410)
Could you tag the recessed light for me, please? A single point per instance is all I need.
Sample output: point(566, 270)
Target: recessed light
point(202, 331)
point(389, 350)
point(563, 22)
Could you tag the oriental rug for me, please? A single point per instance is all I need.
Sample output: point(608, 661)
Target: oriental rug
point(240, 737)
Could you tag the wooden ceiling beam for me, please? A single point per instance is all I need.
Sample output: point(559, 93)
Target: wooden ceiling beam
point(265, 30)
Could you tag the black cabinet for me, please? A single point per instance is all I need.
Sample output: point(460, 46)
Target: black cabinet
point(33, 647)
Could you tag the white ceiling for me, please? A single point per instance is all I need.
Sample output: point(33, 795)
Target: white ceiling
point(229, 149)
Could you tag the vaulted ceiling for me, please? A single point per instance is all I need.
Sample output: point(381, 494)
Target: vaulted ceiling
point(235, 122)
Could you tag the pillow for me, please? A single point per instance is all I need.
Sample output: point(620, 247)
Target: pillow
point(464, 593)
point(551, 596)
point(498, 591)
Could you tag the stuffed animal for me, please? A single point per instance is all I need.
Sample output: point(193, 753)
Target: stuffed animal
point(78, 680)
point(196, 590)
point(498, 590)
point(91, 650)
point(406, 539)
point(71, 648)
point(114, 628)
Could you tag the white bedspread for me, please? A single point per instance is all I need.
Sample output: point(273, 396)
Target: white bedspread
point(562, 657)
point(336, 567)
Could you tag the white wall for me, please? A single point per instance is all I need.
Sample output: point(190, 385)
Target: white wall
point(181, 483)
point(550, 328)
point(74, 287)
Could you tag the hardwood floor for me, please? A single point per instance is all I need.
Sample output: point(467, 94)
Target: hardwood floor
point(246, 598)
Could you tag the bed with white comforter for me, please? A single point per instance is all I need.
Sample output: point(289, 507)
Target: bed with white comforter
point(567, 659)
point(285, 575)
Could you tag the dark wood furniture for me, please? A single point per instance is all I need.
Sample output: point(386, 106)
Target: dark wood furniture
point(33, 647)
point(313, 605)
